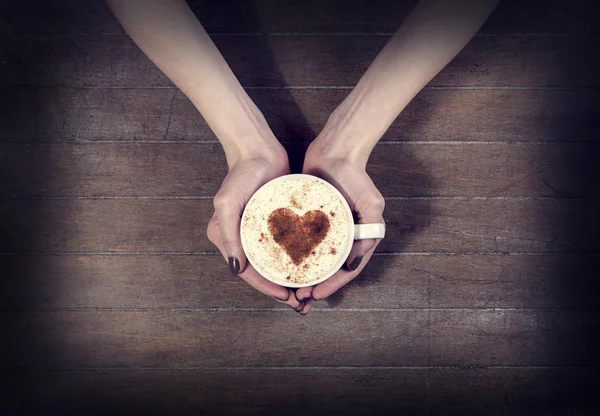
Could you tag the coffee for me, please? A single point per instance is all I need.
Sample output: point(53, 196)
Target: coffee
point(296, 230)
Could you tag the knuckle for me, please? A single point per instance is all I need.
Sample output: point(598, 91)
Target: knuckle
point(379, 203)
point(221, 200)
point(211, 232)
point(228, 202)
point(376, 205)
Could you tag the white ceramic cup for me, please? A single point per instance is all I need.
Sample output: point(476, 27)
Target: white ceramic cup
point(355, 231)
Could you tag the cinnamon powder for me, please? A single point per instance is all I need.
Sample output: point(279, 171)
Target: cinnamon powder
point(299, 236)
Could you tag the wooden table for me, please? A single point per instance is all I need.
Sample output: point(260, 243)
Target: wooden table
point(483, 299)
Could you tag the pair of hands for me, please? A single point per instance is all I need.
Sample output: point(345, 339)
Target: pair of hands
point(247, 174)
point(181, 48)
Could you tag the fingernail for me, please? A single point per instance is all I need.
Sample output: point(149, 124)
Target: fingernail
point(234, 265)
point(355, 263)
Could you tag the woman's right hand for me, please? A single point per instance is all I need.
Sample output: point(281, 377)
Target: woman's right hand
point(169, 33)
point(246, 175)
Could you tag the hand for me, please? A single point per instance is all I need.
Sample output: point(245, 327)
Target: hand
point(246, 175)
point(349, 176)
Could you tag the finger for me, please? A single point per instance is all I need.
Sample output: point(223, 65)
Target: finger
point(307, 306)
point(304, 293)
point(254, 279)
point(360, 248)
point(229, 214)
point(250, 275)
point(292, 301)
point(339, 279)
point(214, 235)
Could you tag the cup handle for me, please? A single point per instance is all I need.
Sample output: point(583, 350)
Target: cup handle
point(368, 231)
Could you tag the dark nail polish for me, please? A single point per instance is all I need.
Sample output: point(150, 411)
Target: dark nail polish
point(234, 265)
point(355, 263)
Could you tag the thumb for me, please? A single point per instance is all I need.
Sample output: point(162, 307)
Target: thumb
point(229, 214)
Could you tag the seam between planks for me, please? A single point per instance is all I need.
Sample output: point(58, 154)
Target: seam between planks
point(305, 142)
point(214, 253)
point(387, 198)
point(318, 87)
point(277, 310)
point(302, 34)
point(306, 368)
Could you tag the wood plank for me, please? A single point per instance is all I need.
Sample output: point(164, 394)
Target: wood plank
point(259, 61)
point(513, 391)
point(113, 169)
point(57, 114)
point(494, 391)
point(462, 115)
point(485, 170)
point(511, 16)
point(414, 225)
point(267, 338)
point(544, 16)
point(197, 169)
point(203, 282)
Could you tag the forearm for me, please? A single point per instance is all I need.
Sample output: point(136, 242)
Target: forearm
point(169, 33)
point(433, 34)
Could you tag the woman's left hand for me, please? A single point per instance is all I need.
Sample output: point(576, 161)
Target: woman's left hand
point(349, 176)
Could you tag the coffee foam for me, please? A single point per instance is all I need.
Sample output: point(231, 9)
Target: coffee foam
point(301, 196)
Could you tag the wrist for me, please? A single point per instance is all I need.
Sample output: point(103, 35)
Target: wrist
point(251, 144)
point(357, 124)
point(344, 138)
point(242, 129)
point(257, 146)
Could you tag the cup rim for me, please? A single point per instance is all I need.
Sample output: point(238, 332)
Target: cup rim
point(342, 259)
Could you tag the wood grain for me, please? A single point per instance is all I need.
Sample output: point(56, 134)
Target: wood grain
point(56, 114)
point(203, 282)
point(197, 169)
point(511, 16)
point(285, 338)
point(70, 114)
point(494, 391)
point(418, 225)
point(262, 61)
point(482, 300)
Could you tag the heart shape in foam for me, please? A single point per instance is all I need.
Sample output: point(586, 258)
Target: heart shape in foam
point(298, 235)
